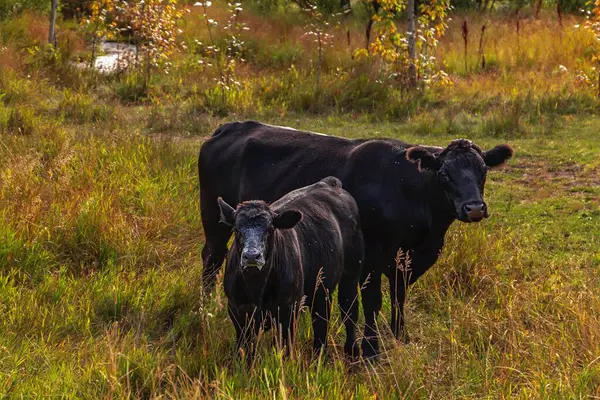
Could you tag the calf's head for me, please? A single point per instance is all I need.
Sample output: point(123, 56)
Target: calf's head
point(254, 224)
point(460, 170)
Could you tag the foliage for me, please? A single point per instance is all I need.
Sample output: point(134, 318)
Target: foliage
point(322, 6)
point(223, 56)
point(153, 26)
point(392, 45)
point(592, 23)
point(11, 8)
point(96, 26)
point(574, 6)
point(318, 30)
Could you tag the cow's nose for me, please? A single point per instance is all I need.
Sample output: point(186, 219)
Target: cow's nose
point(476, 211)
point(251, 256)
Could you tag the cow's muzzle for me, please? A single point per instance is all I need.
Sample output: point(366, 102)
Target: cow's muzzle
point(253, 258)
point(475, 211)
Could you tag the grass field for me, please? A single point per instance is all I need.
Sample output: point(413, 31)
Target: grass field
point(101, 278)
point(100, 233)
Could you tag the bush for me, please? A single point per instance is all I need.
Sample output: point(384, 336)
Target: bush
point(20, 121)
point(267, 6)
point(10, 8)
point(273, 56)
point(132, 88)
point(14, 89)
point(81, 108)
point(574, 6)
point(25, 30)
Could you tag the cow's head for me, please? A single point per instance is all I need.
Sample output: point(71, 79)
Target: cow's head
point(254, 223)
point(460, 170)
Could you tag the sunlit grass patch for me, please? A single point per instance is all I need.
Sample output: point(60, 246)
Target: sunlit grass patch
point(81, 108)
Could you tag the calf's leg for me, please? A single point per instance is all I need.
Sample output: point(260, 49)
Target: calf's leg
point(320, 311)
point(247, 325)
point(371, 298)
point(348, 302)
point(285, 324)
point(397, 297)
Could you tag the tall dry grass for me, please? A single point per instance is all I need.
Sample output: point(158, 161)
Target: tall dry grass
point(101, 236)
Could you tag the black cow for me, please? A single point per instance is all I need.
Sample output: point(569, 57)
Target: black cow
point(305, 243)
point(408, 196)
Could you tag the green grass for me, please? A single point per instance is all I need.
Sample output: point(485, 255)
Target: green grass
point(100, 274)
point(100, 233)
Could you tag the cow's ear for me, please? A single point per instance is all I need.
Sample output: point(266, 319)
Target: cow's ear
point(425, 158)
point(227, 212)
point(498, 155)
point(287, 219)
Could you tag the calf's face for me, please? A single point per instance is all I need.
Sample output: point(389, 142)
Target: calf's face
point(460, 171)
point(254, 223)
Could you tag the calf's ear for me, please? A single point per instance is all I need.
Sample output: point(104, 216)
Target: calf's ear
point(424, 157)
point(227, 212)
point(498, 155)
point(287, 219)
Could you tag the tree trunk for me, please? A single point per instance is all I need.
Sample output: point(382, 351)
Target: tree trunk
point(465, 35)
point(559, 13)
point(481, 53)
point(368, 33)
point(319, 63)
point(51, 33)
point(412, 48)
point(599, 83)
point(538, 7)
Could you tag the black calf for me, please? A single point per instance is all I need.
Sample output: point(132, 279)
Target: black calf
point(304, 244)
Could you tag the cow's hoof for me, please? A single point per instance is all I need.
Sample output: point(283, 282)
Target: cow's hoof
point(404, 337)
point(352, 352)
point(370, 350)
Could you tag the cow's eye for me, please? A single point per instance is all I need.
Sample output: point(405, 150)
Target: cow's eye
point(443, 176)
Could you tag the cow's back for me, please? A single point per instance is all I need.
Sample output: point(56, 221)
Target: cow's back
point(329, 231)
point(249, 160)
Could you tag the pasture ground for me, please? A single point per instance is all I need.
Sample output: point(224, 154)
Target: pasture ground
point(100, 280)
point(100, 233)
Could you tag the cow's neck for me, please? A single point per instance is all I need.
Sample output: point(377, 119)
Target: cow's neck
point(442, 211)
point(255, 284)
point(432, 196)
point(257, 287)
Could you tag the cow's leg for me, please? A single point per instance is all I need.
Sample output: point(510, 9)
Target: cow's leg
point(246, 328)
point(401, 277)
point(371, 298)
point(397, 296)
point(239, 327)
point(285, 327)
point(348, 302)
point(215, 248)
point(320, 311)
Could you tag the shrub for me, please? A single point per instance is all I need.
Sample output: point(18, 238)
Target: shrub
point(21, 121)
point(132, 88)
point(81, 108)
point(10, 8)
point(14, 89)
point(274, 56)
point(25, 30)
